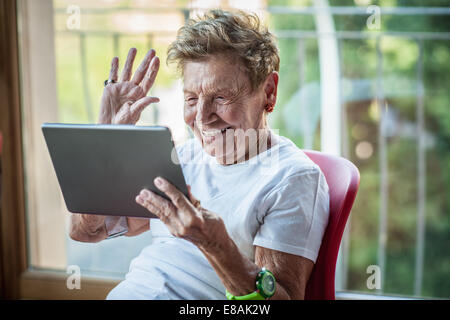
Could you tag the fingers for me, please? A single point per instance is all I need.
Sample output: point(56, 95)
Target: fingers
point(123, 115)
point(140, 105)
point(146, 73)
point(177, 197)
point(150, 76)
point(186, 212)
point(113, 73)
point(128, 68)
point(178, 214)
point(142, 70)
point(156, 204)
point(193, 199)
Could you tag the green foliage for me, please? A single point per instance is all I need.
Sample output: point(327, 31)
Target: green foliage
point(400, 58)
point(358, 61)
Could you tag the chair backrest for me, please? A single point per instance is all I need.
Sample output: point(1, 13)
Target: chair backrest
point(343, 181)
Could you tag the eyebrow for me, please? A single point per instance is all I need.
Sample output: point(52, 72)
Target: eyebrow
point(231, 91)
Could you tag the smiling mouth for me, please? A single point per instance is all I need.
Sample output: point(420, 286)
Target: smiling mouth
point(214, 132)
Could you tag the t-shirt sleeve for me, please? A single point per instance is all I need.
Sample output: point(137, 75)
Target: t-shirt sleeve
point(294, 215)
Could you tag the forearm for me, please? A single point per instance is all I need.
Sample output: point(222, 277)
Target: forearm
point(237, 272)
point(186, 219)
point(87, 228)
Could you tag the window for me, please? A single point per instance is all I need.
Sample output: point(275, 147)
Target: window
point(392, 83)
point(61, 48)
point(373, 91)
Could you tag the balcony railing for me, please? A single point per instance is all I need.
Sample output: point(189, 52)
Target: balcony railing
point(300, 36)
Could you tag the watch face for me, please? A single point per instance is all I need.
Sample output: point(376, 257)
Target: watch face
point(268, 284)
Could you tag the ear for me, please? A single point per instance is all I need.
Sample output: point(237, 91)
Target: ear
point(270, 88)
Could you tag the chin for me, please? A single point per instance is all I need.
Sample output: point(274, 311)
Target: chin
point(220, 156)
point(215, 148)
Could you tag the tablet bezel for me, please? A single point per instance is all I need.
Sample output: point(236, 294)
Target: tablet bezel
point(96, 179)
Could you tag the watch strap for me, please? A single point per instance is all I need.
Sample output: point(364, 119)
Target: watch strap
point(251, 296)
point(115, 226)
point(261, 292)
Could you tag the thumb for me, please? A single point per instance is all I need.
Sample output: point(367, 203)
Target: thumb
point(141, 104)
point(193, 199)
point(122, 116)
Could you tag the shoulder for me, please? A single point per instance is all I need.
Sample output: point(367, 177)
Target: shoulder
point(299, 185)
point(291, 162)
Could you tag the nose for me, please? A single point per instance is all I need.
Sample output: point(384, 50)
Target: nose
point(204, 112)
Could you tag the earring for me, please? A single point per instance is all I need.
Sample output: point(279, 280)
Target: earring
point(269, 107)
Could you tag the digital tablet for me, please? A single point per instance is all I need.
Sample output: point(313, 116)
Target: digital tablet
point(102, 168)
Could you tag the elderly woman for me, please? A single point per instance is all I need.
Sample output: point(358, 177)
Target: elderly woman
point(250, 229)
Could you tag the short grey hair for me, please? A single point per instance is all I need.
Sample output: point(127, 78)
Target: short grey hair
point(235, 34)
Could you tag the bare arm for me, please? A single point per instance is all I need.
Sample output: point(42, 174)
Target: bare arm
point(92, 228)
point(186, 219)
point(291, 272)
point(238, 273)
point(87, 227)
point(122, 103)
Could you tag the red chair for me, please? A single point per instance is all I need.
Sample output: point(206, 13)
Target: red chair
point(343, 181)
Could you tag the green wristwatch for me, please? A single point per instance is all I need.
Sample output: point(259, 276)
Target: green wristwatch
point(265, 287)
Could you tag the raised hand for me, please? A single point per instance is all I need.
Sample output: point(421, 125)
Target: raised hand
point(123, 102)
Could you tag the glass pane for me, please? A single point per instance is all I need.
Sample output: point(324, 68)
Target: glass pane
point(399, 219)
point(396, 136)
point(82, 38)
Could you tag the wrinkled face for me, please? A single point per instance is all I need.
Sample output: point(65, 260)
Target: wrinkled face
point(218, 100)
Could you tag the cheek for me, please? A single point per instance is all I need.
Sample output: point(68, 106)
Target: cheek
point(189, 116)
point(236, 114)
point(231, 113)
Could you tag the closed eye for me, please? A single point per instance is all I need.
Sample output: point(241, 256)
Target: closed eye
point(191, 100)
point(220, 98)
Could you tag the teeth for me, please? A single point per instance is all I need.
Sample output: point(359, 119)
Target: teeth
point(212, 133)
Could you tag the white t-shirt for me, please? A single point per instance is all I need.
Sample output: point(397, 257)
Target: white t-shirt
point(278, 200)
